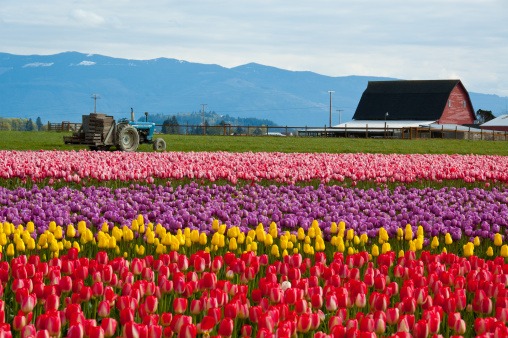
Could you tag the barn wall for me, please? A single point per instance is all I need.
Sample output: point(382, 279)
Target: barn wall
point(455, 112)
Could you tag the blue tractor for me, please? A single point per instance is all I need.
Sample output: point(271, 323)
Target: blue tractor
point(101, 132)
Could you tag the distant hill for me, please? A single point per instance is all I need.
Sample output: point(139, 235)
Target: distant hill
point(60, 87)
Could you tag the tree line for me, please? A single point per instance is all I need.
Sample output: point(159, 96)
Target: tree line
point(21, 124)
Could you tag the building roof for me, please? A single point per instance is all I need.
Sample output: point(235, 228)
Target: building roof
point(500, 121)
point(405, 100)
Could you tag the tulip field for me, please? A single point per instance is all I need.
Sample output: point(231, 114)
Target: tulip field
point(252, 244)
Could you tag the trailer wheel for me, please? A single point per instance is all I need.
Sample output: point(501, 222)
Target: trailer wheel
point(159, 144)
point(128, 138)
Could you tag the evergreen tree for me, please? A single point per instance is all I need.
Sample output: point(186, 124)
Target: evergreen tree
point(484, 116)
point(29, 126)
point(38, 123)
point(171, 126)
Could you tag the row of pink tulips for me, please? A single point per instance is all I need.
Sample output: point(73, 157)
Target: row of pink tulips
point(281, 167)
point(229, 295)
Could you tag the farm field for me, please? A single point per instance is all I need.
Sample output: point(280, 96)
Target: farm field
point(254, 237)
point(16, 140)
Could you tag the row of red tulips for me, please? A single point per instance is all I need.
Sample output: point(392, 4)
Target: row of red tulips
point(229, 295)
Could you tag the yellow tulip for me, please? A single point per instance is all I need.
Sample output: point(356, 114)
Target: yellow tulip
point(10, 250)
point(232, 244)
point(30, 227)
point(241, 238)
point(468, 249)
point(283, 243)
point(448, 239)
point(186, 232)
point(194, 236)
point(58, 232)
point(490, 251)
point(408, 233)
point(275, 250)
point(3, 239)
point(400, 233)
point(498, 239)
point(254, 246)
point(383, 235)
point(419, 231)
point(476, 241)
point(504, 251)
point(311, 233)
point(140, 219)
point(222, 229)
point(105, 227)
point(53, 247)
point(215, 225)
point(295, 250)
point(301, 234)
point(30, 245)
point(76, 246)
point(435, 242)
point(161, 249)
point(418, 243)
point(150, 237)
point(260, 234)
point(70, 232)
point(188, 242)
point(142, 229)
point(274, 232)
point(290, 245)
point(386, 247)
point(268, 240)
point(356, 240)
point(20, 246)
point(401, 254)
point(334, 228)
point(52, 226)
point(285, 253)
point(412, 246)
point(251, 234)
point(8, 228)
point(112, 242)
point(340, 246)
point(307, 240)
point(350, 251)
point(222, 241)
point(203, 239)
point(375, 250)
point(350, 234)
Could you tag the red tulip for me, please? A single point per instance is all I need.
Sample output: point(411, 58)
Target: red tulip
point(65, 284)
point(226, 327)
point(42, 334)
point(246, 331)
point(52, 303)
point(109, 326)
point(151, 303)
point(421, 329)
point(103, 309)
point(96, 332)
point(166, 318)
point(154, 331)
point(126, 316)
point(392, 316)
point(207, 324)
point(19, 321)
point(29, 331)
point(303, 323)
point(180, 305)
point(28, 303)
point(231, 310)
point(367, 324)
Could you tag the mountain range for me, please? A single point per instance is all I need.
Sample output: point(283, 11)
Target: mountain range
point(65, 86)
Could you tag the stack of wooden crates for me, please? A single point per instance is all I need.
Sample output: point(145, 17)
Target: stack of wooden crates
point(96, 127)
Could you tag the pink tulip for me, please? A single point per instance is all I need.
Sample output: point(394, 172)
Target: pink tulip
point(76, 331)
point(109, 326)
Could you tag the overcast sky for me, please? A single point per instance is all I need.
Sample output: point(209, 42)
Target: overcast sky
point(406, 39)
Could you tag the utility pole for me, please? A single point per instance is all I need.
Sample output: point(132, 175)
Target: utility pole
point(330, 120)
point(340, 110)
point(95, 97)
point(203, 105)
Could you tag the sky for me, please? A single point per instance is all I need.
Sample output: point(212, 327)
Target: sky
point(404, 39)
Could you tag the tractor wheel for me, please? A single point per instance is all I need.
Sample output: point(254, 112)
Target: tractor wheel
point(159, 144)
point(128, 138)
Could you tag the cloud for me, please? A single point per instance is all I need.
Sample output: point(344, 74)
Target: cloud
point(38, 64)
point(88, 18)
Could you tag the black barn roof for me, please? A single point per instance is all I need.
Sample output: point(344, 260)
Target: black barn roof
point(404, 100)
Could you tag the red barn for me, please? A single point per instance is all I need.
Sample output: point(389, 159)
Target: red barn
point(440, 101)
